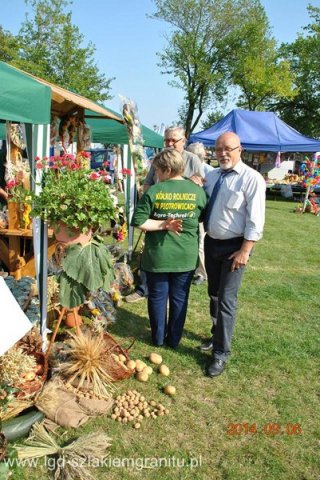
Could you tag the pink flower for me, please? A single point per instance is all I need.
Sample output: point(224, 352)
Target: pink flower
point(107, 178)
point(120, 236)
point(39, 165)
point(64, 162)
point(11, 184)
point(70, 157)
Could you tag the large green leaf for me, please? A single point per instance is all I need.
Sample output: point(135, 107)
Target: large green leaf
point(71, 293)
point(88, 264)
point(109, 277)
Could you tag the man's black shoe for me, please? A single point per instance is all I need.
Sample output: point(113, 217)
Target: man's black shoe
point(215, 368)
point(206, 345)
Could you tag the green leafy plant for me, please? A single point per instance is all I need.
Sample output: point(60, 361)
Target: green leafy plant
point(73, 195)
point(86, 268)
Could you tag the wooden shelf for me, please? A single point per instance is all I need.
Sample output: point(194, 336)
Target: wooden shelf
point(12, 251)
point(26, 233)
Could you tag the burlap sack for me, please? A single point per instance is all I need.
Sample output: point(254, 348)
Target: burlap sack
point(65, 408)
point(95, 407)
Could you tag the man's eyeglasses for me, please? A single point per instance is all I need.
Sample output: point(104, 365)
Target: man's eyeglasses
point(172, 140)
point(227, 149)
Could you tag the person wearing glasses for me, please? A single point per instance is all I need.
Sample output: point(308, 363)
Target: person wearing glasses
point(234, 221)
point(174, 137)
point(169, 213)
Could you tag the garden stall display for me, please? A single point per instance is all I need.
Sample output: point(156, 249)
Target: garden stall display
point(38, 104)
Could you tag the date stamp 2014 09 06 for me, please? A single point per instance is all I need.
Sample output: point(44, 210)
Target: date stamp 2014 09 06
point(267, 429)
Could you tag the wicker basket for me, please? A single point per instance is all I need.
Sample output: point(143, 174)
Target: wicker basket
point(28, 390)
point(116, 371)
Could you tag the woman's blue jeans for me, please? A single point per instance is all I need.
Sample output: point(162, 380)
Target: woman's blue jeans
point(168, 288)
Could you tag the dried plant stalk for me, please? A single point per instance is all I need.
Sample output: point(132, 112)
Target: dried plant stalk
point(39, 444)
point(14, 408)
point(70, 460)
point(86, 362)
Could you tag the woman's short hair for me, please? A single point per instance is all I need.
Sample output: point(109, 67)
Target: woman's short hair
point(198, 149)
point(169, 158)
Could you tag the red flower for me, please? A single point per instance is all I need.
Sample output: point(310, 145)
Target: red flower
point(84, 154)
point(126, 171)
point(74, 166)
point(94, 176)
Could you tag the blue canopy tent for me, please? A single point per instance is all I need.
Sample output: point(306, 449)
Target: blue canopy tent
point(259, 132)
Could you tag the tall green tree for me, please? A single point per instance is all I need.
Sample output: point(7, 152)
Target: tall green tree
point(194, 55)
point(254, 64)
point(303, 111)
point(9, 46)
point(53, 48)
point(214, 44)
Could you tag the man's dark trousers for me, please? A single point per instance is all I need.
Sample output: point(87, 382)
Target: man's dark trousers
point(223, 286)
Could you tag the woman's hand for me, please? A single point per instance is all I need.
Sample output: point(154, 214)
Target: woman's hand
point(170, 225)
point(173, 225)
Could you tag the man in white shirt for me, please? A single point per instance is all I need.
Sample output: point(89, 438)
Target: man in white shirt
point(234, 222)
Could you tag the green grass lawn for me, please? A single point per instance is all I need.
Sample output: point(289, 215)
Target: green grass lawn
point(259, 419)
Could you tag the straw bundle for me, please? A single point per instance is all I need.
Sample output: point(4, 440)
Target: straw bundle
point(70, 461)
point(86, 362)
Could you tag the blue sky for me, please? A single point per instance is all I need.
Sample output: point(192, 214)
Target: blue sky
point(127, 41)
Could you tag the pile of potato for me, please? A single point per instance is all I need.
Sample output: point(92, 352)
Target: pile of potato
point(131, 406)
point(121, 360)
point(143, 371)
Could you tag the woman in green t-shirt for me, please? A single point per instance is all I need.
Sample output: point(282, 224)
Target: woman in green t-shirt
point(169, 214)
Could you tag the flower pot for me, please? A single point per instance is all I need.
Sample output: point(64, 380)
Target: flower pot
point(65, 234)
point(72, 318)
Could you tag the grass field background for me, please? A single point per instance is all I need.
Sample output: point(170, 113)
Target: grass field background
point(260, 419)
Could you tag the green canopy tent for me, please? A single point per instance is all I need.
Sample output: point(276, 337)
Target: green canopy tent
point(23, 99)
point(107, 131)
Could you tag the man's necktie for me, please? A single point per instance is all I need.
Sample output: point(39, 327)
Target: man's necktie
point(213, 197)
